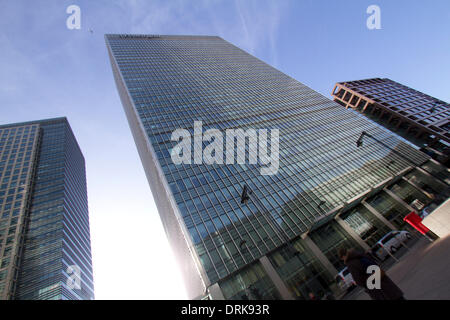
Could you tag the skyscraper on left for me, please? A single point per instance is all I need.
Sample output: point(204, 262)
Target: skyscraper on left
point(45, 246)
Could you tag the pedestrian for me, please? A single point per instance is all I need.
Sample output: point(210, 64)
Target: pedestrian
point(357, 264)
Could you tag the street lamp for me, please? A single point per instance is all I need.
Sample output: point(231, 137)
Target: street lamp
point(359, 143)
point(245, 196)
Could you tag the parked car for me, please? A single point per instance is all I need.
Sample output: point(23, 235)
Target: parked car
point(345, 280)
point(391, 242)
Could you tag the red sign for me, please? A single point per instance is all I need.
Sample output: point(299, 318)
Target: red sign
point(416, 221)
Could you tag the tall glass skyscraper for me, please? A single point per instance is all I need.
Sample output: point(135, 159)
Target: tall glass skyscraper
point(45, 249)
point(322, 196)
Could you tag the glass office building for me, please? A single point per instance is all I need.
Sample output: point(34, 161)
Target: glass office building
point(232, 250)
point(45, 250)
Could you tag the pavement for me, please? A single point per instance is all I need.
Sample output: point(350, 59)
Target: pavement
point(422, 272)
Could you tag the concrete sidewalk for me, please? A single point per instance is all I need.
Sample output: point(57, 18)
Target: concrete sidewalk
point(423, 273)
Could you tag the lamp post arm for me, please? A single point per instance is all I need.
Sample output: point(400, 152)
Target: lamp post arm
point(392, 149)
point(400, 155)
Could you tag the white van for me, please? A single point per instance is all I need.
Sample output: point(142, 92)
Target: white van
point(391, 242)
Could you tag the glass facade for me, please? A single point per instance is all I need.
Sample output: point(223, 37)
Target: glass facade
point(18, 149)
point(252, 283)
point(390, 208)
point(301, 272)
point(56, 235)
point(435, 189)
point(408, 193)
point(367, 226)
point(329, 238)
point(169, 82)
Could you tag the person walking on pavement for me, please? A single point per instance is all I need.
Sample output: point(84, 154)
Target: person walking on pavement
point(357, 264)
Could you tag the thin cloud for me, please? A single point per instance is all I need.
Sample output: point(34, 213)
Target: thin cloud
point(251, 25)
point(260, 21)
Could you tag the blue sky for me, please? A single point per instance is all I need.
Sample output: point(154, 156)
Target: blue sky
point(47, 70)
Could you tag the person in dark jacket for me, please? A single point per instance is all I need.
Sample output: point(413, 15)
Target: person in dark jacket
point(357, 263)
